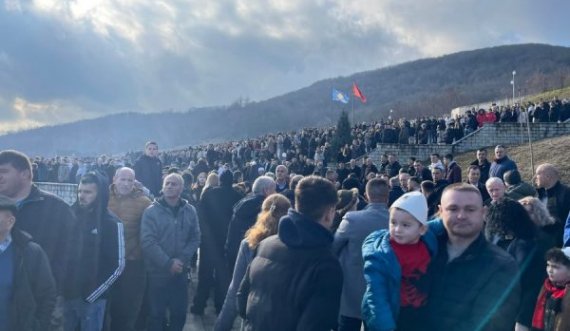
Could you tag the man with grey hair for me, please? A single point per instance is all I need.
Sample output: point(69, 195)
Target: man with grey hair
point(496, 188)
point(244, 216)
point(170, 235)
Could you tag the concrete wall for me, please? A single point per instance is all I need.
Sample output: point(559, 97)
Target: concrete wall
point(489, 135)
point(404, 152)
point(509, 134)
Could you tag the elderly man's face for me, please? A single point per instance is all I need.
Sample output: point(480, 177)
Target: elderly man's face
point(124, 181)
point(403, 177)
point(496, 190)
point(543, 177)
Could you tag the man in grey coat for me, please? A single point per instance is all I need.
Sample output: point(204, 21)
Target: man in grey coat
point(170, 235)
point(352, 231)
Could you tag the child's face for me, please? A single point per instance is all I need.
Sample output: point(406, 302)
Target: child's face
point(558, 273)
point(404, 228)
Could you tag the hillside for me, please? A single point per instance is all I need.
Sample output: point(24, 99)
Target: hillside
point(424, 87)
point(554, 150)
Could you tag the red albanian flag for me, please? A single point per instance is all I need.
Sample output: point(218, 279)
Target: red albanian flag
point(358, 93)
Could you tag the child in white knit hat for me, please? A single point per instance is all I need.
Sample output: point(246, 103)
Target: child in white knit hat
point(395, 267)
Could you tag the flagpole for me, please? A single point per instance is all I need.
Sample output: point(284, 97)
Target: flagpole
point(352, 105)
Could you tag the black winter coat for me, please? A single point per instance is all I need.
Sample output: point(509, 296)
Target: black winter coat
point(557, 201)
point(529, 255)
point(294, 282)
point(244, 216)
point(148, 171)
point(50, 221)
point(33, 295)
point(476, 291)
point(215, 212)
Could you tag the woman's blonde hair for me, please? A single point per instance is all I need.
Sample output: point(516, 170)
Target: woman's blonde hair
point(538, 212)
point(274, 207)
point(213, 180)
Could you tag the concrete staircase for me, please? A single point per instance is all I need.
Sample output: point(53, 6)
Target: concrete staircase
point(508, 134)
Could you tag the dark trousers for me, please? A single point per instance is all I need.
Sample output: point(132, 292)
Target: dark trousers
point(212, 272)
point(167, 293)
point(346, 323)
point(127, 296)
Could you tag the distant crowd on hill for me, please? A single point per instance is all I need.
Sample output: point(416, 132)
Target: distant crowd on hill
point(310, 149)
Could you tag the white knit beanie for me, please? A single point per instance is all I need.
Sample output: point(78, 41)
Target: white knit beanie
point(415, 204)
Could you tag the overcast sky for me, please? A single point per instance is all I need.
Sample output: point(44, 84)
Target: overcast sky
point(65, 60)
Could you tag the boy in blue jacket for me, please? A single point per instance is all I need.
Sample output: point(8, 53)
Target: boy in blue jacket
point(395, 267)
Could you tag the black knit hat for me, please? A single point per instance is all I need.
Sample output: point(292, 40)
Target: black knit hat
point(226, 178)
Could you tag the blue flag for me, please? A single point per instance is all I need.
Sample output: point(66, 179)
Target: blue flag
point(339, 96)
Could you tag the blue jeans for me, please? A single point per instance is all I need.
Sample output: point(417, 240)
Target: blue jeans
point(86, 316)
point(168, 293)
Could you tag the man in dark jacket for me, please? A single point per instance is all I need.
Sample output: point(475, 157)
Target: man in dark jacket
point(170, 235)
point(148, 168)
point(215, 212)
point(440, 184)
point(422, 172)
point(452, 169)
point(502, 163)
point(475, 283)
point(556, 196)
point(27, 287)
point(102, 255)
point(396, 190)
point(473, 178)
point(483, 164)
point(294, 282)
point(393, 167)
point(244, 216)
point(47, 218)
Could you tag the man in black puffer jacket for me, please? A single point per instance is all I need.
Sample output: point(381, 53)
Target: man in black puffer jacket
point(244, 216)
point(294, 282)
point(215, 211)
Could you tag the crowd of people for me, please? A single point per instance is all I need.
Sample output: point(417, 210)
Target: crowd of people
point(388, 246)
point(309, 147)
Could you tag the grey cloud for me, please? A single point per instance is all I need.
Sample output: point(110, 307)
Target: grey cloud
point(154, 56)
